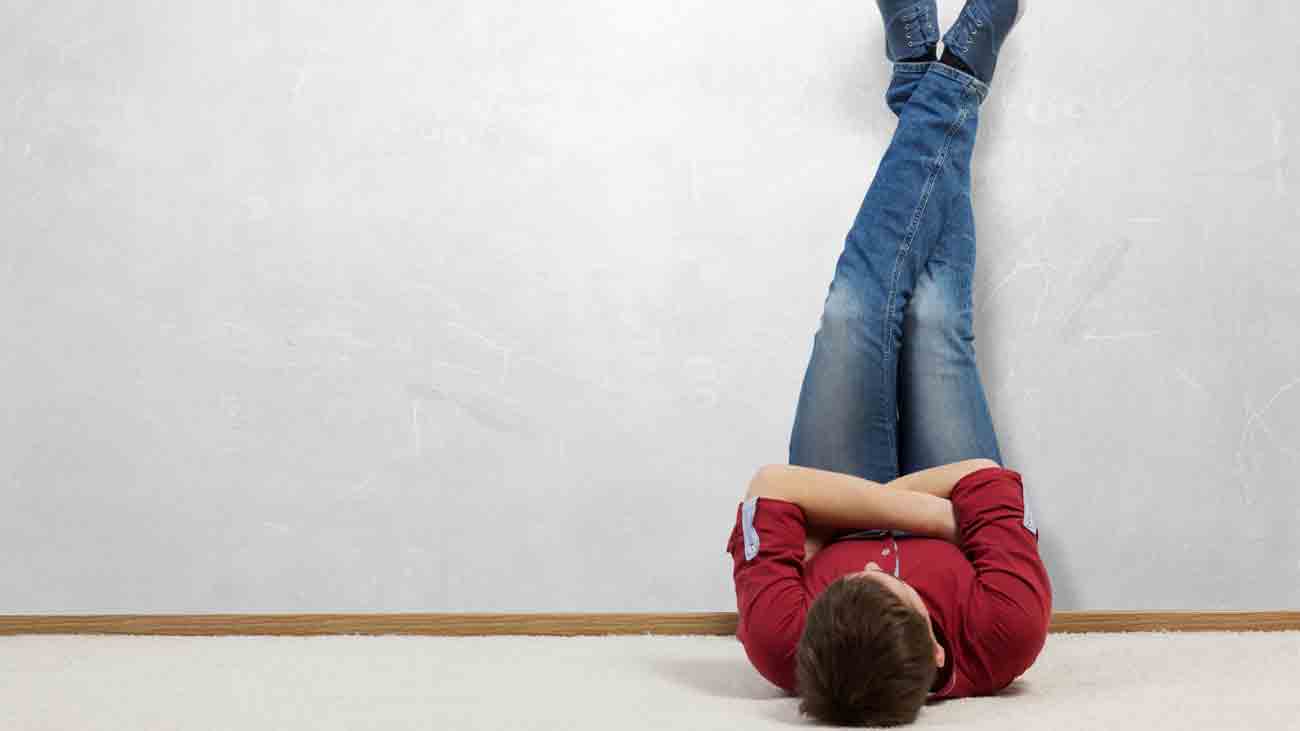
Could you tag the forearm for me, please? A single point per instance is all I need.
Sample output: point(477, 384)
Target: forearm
point(939, 481)
point(836, 503)
point(884, 507)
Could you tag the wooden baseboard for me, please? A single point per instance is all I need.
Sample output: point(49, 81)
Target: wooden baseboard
point(466, 624)
point(469, 624)
point(1175, 621)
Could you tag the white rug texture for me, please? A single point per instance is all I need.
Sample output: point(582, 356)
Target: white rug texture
point(1177, 681)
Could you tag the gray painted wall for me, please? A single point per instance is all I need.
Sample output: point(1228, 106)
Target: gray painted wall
point(497, 306)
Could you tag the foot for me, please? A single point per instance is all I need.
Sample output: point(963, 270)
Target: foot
point(977, 35)
point(911, 28)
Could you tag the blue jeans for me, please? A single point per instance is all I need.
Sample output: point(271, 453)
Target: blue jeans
point(892, 381)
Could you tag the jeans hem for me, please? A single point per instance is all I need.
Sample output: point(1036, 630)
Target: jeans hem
point(912, 67)
point(972, 83)
point(908, 68)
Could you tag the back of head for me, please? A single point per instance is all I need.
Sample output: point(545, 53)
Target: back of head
point(865, 657)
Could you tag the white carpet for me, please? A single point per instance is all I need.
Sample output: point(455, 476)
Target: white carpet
point(1096, 681)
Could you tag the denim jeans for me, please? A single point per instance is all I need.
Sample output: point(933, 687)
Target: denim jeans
point(892, 382)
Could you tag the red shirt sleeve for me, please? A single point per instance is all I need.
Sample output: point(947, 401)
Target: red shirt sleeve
point(1010, 607)
point(767, 548)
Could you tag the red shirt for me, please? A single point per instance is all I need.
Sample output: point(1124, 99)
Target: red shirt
point(989, 598)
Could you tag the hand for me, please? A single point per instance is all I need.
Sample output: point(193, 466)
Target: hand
point(811, 545)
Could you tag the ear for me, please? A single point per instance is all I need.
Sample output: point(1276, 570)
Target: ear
point(938, 655)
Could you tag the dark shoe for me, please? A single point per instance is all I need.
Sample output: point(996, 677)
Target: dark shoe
point(911, 27)
point(977, 35)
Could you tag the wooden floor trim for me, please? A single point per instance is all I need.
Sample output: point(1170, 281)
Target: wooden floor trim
point(1175, 621)
point(473, 624)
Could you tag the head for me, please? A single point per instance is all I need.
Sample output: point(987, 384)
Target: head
point(868, 654)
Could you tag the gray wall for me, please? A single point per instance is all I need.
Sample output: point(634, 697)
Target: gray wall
point(497, 306)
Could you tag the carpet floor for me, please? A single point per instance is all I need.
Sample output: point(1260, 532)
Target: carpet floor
point(1182, 681)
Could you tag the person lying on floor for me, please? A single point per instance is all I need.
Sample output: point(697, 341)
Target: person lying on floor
point(943, 594)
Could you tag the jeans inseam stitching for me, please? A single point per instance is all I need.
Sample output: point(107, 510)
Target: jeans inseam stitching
point(927, 189)
point(919, 211)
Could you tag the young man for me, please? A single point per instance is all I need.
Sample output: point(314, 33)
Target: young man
point(946, 596)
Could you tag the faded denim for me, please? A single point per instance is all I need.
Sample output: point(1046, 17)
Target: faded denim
point(892, 383)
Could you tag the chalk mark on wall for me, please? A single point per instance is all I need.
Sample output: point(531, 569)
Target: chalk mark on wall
point(1099, 272)
point(1278, 442)
point(1019, 268)
point(1190, 381)
point(415, 425)
point(505, 351)
point(1247, 431)
point(493, 410)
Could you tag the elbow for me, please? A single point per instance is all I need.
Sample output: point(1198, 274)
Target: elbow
point(765, 481)
point(1016, 660)
point(1029, 644)
point(1014, 645)
point(768, 473)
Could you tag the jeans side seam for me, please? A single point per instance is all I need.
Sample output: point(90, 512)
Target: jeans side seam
point(886, 336)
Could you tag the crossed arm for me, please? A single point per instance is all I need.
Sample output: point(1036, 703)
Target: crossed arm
point(837, 503)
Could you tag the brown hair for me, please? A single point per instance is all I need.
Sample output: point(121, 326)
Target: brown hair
point(864, 658)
